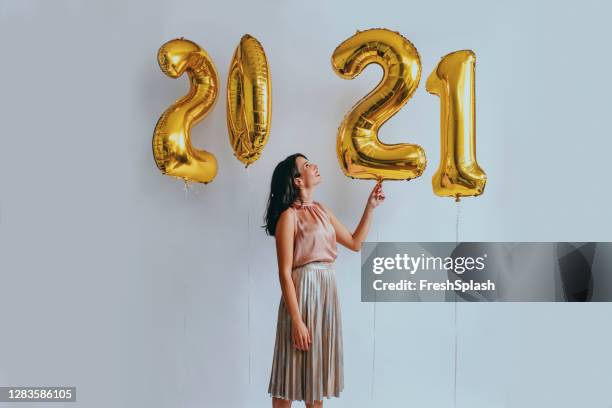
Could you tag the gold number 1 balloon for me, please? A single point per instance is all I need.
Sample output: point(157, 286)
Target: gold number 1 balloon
point(249, 100)
point(360, 153)
point(172, 149)
point(453, 81)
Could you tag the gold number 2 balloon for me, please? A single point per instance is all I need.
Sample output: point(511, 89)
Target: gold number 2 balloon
point(360, 153)
point(249, 112)
point(172, 149)
point(453, 81)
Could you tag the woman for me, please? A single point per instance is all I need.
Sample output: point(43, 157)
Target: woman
point(308, 362)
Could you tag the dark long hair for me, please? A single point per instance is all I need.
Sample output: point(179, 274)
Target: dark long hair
point(283, 191)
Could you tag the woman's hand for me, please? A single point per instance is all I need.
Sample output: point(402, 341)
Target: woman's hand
point(300, 335)
point(377, 195)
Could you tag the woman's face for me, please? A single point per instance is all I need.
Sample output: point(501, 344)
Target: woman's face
point(309, 173)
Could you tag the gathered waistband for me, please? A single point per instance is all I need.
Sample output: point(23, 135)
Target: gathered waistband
point(316, 265)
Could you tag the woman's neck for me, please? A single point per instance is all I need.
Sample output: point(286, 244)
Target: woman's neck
point(305, 196)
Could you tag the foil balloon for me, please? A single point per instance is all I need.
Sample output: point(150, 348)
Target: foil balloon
point(172, 149)
point(360, 153)
point(453, 81)
point(249, 100)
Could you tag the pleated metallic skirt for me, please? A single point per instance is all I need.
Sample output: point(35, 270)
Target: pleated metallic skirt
point(318, 372)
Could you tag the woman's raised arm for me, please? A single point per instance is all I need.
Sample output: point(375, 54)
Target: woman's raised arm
point(353, 241)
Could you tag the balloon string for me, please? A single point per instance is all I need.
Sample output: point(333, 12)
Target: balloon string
point(374, 324)
point(457, 222)
point(182, 363)
point(184, 341)
point(455, 307)
point(249, 271)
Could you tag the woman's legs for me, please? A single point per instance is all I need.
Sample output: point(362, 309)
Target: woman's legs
point(280, 403)
point(316, 404)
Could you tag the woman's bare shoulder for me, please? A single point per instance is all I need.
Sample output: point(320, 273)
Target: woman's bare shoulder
point(287, 212)
point(286, 219)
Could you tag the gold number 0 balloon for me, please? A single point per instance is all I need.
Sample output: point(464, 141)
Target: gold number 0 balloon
point(172, 149)
point(453, 81)
point(249, 112)
point(360, 153)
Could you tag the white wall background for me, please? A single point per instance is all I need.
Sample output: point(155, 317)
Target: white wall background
point(115, 281)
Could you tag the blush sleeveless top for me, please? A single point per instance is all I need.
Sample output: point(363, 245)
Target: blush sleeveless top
point(315, 237)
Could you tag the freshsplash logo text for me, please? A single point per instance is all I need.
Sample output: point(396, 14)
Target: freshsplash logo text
point(412, 264)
